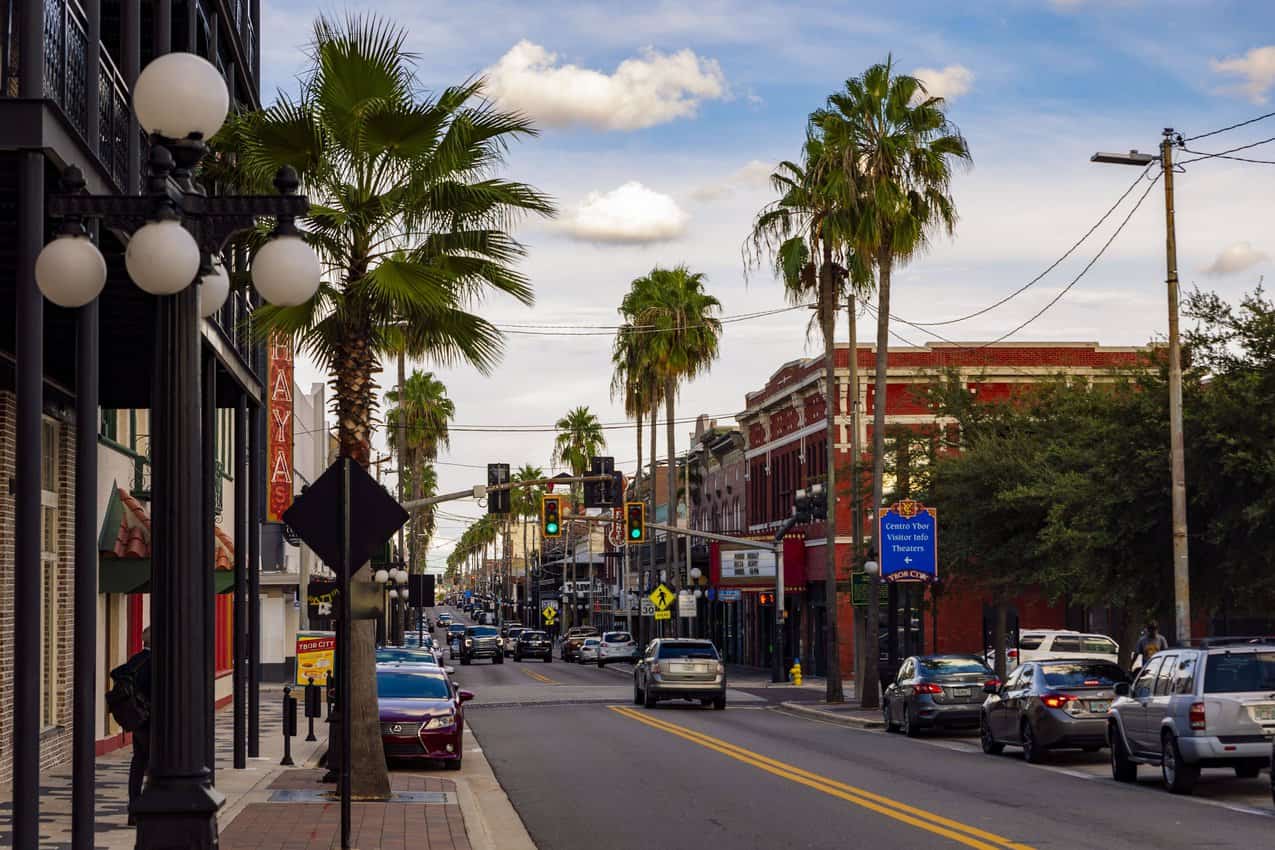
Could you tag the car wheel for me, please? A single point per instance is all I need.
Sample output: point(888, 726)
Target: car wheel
point(453, 764)
point(517, 657)
point(1179, 778)
point(909, 728)
point(719, 704)
point(549, 658)
point(637, 693)
point(890, 725)
point(991, 746)
point(648, 698)
point(601, 664)
point(1248, 771)
point(464, 662)
point(1090, 749)
point(499, 659)
point(1032, 753)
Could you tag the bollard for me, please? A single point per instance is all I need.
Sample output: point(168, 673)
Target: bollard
point(313, 705)
point(289, 725)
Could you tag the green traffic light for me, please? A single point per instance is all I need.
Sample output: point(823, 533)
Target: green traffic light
point(552, 528)
point(635, 533)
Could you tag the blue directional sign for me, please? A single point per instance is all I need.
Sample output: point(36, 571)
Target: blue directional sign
point(909, 536)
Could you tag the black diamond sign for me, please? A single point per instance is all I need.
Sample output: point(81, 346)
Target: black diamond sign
point(374, 516)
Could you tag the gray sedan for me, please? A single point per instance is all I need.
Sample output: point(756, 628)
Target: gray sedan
point(935, 691)
point(680, 669)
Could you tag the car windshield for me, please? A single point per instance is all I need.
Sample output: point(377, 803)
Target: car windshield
point(458, 628)
point(401, 684)
point(1082, 674)
point(952, 665)
point(1240, 672)
point(591, 642)
point(532, 636)
point(687, 650)
point(483, 631)
point(417, 655)
point(1030, 641)
point(617, 637)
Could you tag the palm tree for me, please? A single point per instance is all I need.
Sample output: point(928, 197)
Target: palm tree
point(419, 428)
point(681, 330)
point(526, 505)
point(889, 139)
point(579, 439)
point(412, 228)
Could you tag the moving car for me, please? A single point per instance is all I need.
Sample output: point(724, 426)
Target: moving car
point(508, 625)
point(588, 650)
point(421, 713)
point(1036, 644)
point(1206, 706)
point(511, 638)
point(533, 644)
point(444, 620)
point(482, 642)
point(936, 691)
point(680, 669)
point(1052, 704)
point(573, 638)
point(617, 646)
point(455, 634)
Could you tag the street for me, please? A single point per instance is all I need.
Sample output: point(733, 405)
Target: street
point(584, 767)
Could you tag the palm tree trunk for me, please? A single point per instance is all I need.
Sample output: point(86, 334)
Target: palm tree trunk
point(637, 477)
point(353, 383)
point(416, 514)
point(671, 540)
point(870, 684)
point(833, 691)
point(526, 573)
point(650, 549)
point(856, 511)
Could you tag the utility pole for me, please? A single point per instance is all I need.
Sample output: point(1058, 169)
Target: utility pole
point(856, 509)
point(1177, 449)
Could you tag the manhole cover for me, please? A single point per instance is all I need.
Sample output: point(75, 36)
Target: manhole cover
point(297, 795)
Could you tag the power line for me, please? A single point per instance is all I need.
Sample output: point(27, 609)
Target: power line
point(611, 330)
point(1051, 267)
point(1230, 127)
point(1226, 153)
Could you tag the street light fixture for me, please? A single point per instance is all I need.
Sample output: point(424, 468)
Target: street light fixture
point(872, 568)
point(175, 233)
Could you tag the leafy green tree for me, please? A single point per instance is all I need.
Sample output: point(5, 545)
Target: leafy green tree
point(896, 148)
point(525, 505)
point(412, 228)
point(579, 439)
point(416, 429)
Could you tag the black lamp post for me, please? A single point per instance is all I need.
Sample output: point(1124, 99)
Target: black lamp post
point(175, 233)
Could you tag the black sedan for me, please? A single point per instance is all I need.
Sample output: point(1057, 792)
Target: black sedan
point(932, 691)
point(533, 644)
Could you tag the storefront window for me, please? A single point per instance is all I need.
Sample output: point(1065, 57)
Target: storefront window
point(50, 544)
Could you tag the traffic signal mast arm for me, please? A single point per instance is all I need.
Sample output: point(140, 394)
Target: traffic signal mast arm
point(479, 491)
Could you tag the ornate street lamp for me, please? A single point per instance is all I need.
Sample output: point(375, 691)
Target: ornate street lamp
point(175, 234)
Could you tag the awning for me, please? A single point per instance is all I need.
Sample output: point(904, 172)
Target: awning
point(124, 549)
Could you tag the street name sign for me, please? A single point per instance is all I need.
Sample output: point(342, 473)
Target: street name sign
point(909, 536)
point(685, 603)
point(663, 598)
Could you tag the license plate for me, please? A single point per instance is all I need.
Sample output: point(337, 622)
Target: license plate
point(1264, 712)
point(960, 692)
point(1099, 706)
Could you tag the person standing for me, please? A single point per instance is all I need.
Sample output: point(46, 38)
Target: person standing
point(1150, 643)
point(140, 667)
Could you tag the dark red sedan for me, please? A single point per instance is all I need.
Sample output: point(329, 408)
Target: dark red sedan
point(422, 714)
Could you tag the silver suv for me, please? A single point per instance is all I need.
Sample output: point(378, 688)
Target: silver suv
point(1212, 705)
point(672, 668)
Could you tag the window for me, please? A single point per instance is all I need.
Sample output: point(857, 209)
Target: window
point(688, 650)
point(110, 424)
point(953, 664)
point(1066, 644)
point(49, 545)
point(1146, 679)
point(1164, 678)
point(1240, 672)
point(1030, 642)
point(1100, 645)
point(1184, 676)
point(1082, 674)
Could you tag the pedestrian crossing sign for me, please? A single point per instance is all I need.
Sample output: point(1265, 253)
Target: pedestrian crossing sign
point(662, 597)
point(549, 613)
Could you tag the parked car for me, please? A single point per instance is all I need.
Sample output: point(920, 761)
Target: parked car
point(482, 642)
point(1188, 709)
point(509, 624)
point(1035, 644)
point(421, 713)
point(936, 691)
point(533, 644)
point(588, 650)
point(1051, 704)
point(573, 638)
point(680, 669)
point(616, 646)
point(406, 655)
point(511, 639)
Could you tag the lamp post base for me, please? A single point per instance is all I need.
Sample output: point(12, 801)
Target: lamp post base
point(180, 816)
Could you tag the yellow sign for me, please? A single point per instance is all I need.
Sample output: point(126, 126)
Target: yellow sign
point(549, 614)
point(664, 615)
point(662, 597)
point(316, 655)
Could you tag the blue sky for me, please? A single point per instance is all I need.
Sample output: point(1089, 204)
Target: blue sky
point(660, 121)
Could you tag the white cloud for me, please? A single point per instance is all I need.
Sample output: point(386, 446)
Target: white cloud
point(948, 83)
point(1256, 68)
point(642, 92)
point(631, 213)
point(754, 174)
point(1235, 259)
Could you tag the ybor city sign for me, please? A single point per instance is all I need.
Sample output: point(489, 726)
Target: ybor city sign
point(909, 536)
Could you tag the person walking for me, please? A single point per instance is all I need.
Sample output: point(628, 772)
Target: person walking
point(1150, 643)
point(140, 667)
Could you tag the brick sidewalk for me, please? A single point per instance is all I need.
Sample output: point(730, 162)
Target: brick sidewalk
point(302, 824)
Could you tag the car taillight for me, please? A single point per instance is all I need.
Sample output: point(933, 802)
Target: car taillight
point(926, 688)
point(992, 683)
point(1056, 700)
point(605, 645)
point(1197, 715)
point(1013, 653)
point(655, 666)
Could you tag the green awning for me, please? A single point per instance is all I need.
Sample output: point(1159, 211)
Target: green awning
point(124, 563)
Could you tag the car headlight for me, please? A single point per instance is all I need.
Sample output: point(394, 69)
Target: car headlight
point(469, 642)
point(440, 721)
point(499, 642)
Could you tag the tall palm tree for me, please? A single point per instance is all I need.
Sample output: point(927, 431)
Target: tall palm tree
point(412, 228)
point(526, 506)
point(579, 439)
point(682, 331)
point(417, 429)
point(892, 141)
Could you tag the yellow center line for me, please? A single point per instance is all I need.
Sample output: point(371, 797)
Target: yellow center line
point(955, 830)
point(539, 677)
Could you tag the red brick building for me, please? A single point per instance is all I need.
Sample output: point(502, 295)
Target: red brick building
point(784, 426)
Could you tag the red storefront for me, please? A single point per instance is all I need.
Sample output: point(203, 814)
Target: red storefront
point(742, 615)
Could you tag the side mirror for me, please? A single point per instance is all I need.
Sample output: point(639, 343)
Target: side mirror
point(992, 687)
point(466, 696)
point(1122, 689)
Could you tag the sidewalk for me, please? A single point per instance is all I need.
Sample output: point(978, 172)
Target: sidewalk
point(845, 713)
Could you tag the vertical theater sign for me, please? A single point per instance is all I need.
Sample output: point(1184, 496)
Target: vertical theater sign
point(279, 488)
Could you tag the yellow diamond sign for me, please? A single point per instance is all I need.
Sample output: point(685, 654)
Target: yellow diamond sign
point(662, 597)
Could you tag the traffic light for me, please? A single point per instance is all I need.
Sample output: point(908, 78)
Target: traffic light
point(551, 516)
point(635, 522)
point(497, 500)
point(597, 493)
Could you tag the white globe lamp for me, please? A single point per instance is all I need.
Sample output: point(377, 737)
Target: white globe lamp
point(696, 572)
point(180, 95)
point(393, 593)
point(872, 568)
point(698, 593)
point(403, 592)
point(286, 271)
point(214, 288)
point(70, 271)
point(162, 257)
point(381, 576)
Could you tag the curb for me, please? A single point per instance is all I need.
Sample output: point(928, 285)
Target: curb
point(491, 821)
point(805, 711)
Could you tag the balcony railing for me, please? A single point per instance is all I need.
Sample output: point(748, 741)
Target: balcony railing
point(235, 321)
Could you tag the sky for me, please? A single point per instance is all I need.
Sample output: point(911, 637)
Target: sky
point(660, 122)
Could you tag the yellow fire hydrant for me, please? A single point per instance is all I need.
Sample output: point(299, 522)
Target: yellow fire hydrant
point(794, 672)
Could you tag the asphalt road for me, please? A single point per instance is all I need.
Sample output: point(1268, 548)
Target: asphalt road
point(587, 769)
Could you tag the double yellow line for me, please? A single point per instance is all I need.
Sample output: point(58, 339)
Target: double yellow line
point(539, 677)
point(959, 832)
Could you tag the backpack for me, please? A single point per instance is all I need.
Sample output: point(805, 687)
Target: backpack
point(127, 704)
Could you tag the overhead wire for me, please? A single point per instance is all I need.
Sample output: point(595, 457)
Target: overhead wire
point(1230, 127)
point(1226, 154)
point(530, 329)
